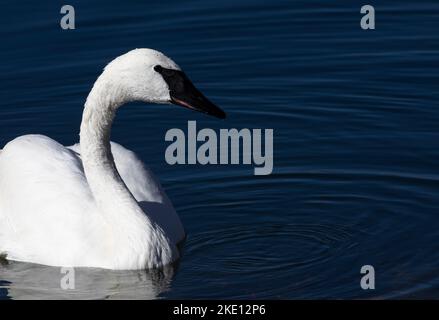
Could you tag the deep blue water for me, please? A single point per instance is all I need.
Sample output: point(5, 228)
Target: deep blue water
point(356, 141)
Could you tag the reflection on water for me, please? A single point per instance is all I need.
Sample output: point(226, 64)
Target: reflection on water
point(20, 280)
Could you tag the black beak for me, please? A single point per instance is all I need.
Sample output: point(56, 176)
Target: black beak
point(184, 93)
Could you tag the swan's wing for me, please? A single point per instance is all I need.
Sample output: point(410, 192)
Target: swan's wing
point(146, 189)
point(45, 201)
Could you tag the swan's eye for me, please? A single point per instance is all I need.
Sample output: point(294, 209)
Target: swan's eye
point(158, 68)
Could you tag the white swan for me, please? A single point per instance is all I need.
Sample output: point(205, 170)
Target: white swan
point(95, 204)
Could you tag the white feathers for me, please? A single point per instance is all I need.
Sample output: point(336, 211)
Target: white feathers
point(136, 78)
point(69, 206)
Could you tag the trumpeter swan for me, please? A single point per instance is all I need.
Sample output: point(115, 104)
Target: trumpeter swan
point(95, 204)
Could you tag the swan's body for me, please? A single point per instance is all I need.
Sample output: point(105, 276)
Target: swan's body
point(54, 219)
point(93, 204)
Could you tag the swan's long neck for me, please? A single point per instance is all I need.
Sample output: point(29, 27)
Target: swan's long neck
point(130, 229)
point(100, 169)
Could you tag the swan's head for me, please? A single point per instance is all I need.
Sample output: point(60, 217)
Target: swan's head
point(150, 76)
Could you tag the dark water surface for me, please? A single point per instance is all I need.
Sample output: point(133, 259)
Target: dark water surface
point(356, 140)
